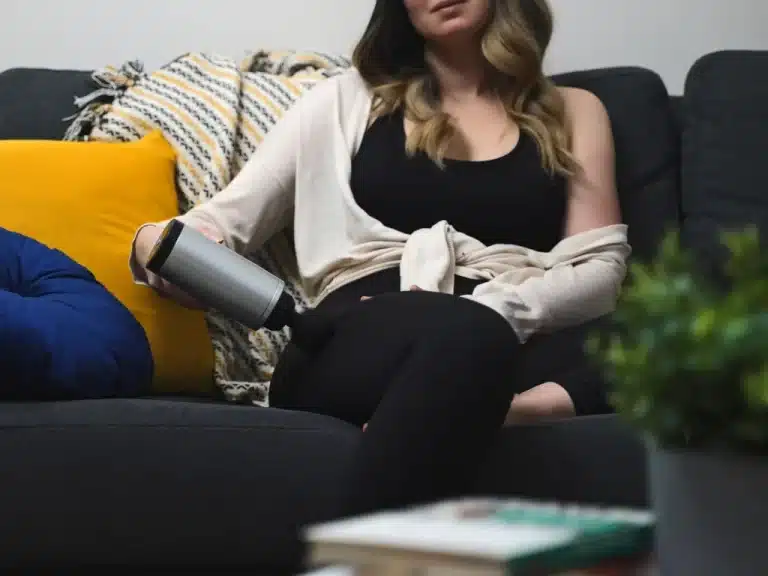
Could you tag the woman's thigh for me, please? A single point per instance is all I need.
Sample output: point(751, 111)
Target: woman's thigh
point(372, 341)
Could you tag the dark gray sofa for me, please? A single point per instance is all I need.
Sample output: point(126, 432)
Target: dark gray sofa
point(161, 483)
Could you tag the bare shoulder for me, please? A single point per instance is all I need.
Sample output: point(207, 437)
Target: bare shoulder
point(584, 110)
point(593, 198)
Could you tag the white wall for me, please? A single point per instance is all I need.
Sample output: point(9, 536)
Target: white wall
point(666, 35)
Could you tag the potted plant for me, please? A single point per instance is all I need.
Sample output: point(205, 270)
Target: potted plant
point(688, 367)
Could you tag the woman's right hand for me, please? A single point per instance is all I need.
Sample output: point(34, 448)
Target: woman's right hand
point(145, 242)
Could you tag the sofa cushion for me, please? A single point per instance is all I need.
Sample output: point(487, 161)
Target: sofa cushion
point(647, 149)
point(224, 487)
point(62, 335)
point(87, 200)
point(725, 147)
point(146, 483)
point(34, 102)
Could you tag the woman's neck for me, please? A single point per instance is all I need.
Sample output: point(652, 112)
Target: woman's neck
point(460, 73)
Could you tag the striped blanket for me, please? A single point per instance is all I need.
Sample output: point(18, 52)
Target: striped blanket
point(215, 112)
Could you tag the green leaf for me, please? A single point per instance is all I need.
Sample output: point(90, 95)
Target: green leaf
point(687, 364)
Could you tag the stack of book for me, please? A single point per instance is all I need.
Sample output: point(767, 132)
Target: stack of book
point(488, 538)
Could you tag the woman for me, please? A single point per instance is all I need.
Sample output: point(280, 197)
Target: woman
point(456, 219)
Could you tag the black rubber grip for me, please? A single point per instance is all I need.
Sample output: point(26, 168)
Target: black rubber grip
point(164, 246)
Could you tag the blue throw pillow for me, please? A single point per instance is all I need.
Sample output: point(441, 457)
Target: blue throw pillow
point(62, 334)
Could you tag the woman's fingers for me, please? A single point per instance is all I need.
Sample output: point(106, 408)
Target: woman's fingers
point(210, 233)
point(168, 290)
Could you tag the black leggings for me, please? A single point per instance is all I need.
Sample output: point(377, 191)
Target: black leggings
point(433, 375)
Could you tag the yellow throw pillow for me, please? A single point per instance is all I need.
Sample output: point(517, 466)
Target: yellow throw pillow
point(87, 200)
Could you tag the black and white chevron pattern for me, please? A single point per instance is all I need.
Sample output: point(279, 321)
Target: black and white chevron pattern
point(215, 112)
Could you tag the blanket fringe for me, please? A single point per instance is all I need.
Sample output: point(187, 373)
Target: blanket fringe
point(111, 84)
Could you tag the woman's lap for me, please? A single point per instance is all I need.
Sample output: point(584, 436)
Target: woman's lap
point(433, 373)
point(348, 379)
point(350, 375)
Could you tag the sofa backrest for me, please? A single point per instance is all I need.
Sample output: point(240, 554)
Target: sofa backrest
point(724, 152)
point(33, 103)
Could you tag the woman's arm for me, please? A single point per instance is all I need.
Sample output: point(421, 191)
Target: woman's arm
point(258, 202)
point(592, 203)
point(592, 198)
point(246, 213)
point(587, 268)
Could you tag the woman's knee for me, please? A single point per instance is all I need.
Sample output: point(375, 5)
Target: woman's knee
point(443, 323)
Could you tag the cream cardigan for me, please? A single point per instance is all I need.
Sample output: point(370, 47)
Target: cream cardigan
point(302, 171)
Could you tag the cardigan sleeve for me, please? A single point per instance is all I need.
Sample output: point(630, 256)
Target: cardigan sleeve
point(577, 285)
point(259, 201)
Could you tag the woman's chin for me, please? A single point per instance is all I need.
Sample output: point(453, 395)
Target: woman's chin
point(454, 30)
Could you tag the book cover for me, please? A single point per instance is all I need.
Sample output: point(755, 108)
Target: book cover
point(486, 536)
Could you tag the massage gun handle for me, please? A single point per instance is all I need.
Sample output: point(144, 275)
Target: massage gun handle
point(220, 278)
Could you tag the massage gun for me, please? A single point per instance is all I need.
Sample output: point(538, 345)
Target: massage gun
point(221, 279)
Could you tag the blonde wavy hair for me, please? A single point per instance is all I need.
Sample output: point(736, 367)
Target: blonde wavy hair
point(391, 59)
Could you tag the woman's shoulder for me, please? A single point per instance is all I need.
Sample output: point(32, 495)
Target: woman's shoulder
point(339, 92)
point(582, 107)
point(346, 82)
point(352, 78)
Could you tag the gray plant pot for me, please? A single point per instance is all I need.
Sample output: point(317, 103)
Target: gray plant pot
point(712, 513)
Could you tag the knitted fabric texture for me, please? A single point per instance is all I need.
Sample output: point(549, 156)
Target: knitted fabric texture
point(214, 111)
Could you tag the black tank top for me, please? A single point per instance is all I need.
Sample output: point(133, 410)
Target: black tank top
point(508, 200)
